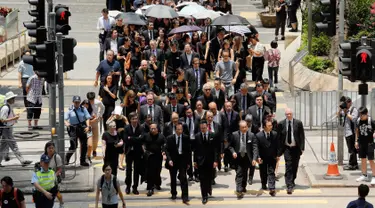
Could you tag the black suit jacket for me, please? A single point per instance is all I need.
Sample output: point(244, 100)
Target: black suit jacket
point(219, 100)
point(192, 81)
point(268, 148)
point(149, 52)
point(167, 110)
point(139, 80)
point(107, 43)
point(251, 145)
point(147, 35)
point(253, 110)
point(171, 150)
point(133, 140)
point(185, 62)
point(231, 126)
point(249, 101)
point(168, 129)
point(205, 152)
point(215, 47)
point(298, 134)
point(158, 115)
point(207, 100)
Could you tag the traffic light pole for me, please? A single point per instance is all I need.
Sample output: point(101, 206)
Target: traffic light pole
point(340, 129)
point(60, 69)
point(52, 86)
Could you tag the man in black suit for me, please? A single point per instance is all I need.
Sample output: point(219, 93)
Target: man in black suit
point(133, 151)
point(271, 91)
point(292, 138)
point(249, 121)
point(268, 145)
point(267, 97)
point(218, 93)
point(178, 152)
point(230, 123)
point(193, 126)
point(170, 127)
point(151, 109)
point(206, 98)
point(258, 111)
point(196, 77)
point(244, 99)
point(153, 51)
point(216, 44)
point(150, 33)
point(187, 57)
point(140, 76)
point(218, 133)
point(206, 158)
point(173, 107)
point(244, 151)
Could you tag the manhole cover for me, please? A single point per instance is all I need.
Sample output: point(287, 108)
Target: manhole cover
point(26, 134)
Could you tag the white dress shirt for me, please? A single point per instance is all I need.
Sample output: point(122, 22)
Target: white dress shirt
point(100, 24)
point(98, 108)
point(179, 143)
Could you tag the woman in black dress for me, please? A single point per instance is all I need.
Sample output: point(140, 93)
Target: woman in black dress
point(130, 104)
point(108, 93)
point(111, 143)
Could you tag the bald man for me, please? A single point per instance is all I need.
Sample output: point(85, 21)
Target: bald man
point(140, 76)
point(170, 127)
point(292, 138)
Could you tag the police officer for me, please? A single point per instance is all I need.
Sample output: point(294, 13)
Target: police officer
point(44, 181)
point(77, 120)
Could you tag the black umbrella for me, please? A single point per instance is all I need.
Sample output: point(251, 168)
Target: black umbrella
point(227, 20)
point(131, 18)
point(161, 11)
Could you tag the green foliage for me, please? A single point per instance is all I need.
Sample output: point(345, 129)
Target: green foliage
point(321, 45)
point(358, 15)
point(318, 64)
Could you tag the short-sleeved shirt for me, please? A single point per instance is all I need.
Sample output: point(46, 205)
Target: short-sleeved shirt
point(8, 199)
point(109, 194)
point(26, 70)
point(5, 114)
point(360, 202)
point(35, 85)
point(365, 130)
point(82, 113)
point(55, 162)
point(226, 70)
point(105, 67)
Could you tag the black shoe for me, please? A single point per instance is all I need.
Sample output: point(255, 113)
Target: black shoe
point(244, 190)
point(157, 187)
point(239, 194)
point(26, 163)
point(174, 197)
point(282, 38)
point(273, 193)
point(197, 180)
point(185, 200)
point(89, 159)
point(210, 192)
point(1, 166)
point(213, 182)
point(135, 191)
point(289, 191)
point(149, 193)
point(85, 164)
point(7, 158)
point(127, 190)
point(191, 179)
point(204, 201)
point(276, 38)
point(350, 167)
point(94, 153)
point(293, 30)
point(250, 181)
point(226, 169)
point(264, 187)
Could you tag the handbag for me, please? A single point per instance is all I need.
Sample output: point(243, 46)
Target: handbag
point(58, 178)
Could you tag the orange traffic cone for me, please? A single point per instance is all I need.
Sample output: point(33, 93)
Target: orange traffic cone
point(333, 168)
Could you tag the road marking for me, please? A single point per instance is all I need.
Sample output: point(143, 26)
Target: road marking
point(68, 82)
point(88, 44)
point(281, 105)
point(229, 192)
point(279, 94)
point(249, 15)
point(222, 202)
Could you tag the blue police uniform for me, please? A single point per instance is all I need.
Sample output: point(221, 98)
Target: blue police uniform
point(77, 118)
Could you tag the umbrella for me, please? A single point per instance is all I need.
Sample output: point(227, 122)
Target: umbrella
point(230, 20)
point(239, 29)
point(113, 13)
point(184, 15)
point(142, 10)
point(186, 3)
point(192, 9)
point(184, 29)
point(161, 11)
point(131, 18)
point(207, 14)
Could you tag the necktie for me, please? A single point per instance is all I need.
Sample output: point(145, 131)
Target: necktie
point(155, 52)
point(260, 116)
point(178, 143)
point(189, 121)
point(268, 136)
point(209, 127)
point(152, 117)
point(229, 115)
point(144, 75)
point(174, 108)
point(205, 138)
point(244, 103)
point(197, 78)
point(243, 146)
point(290, 132)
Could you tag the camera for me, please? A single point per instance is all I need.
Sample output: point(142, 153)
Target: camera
point(343, 105)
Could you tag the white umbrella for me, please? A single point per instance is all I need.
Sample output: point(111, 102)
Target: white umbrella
point(239, 29)
point(113, 13)
point(207, 14)
point(161, 11)
point(192, 9)
point(186, 3)
point(184, 15)
point(141, 11)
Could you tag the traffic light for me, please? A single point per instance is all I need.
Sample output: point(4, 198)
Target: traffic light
point(62, 19)
point(364, 64)
point(347, 60)
point(327, 22)
point(36, 28)
point(43, 61)
point(68, 45)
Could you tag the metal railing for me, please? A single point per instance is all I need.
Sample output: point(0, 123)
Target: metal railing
point(329, 135)
point(314, 109)
point(15, 50)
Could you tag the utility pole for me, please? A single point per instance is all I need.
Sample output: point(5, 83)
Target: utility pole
point(60, 69)
point(309, 7)
point(340, 129)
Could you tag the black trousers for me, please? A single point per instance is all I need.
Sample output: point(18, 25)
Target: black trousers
point(133, 162)
point(280, 24)
point(33, 110)
point(107, 113)
point(206, 173)
point(251, 172)
point(24, 93)
point(227, 157)
point(41, 201)
point(179, 166)
point(291, 156)
point(243, 164)
point(109, 205)
point(293, 15)
point(74, 133)
point(350, 142)
point(258, 66)
point(192, 171)
point(154, 164)
point(111, 157)
point(267, 172)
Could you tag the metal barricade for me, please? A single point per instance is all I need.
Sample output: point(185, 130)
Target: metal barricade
point(329, 135)
point(314, 109)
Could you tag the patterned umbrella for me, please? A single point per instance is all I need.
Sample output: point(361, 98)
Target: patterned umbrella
point(161, 11)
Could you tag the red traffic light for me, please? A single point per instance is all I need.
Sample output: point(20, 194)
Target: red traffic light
point(363, 57)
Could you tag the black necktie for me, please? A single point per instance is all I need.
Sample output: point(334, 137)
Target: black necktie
point(290, 132)
point(152, 117)
point(189, 120)
point(268, 136)
point(204, 137)
point(244, 103)
point(174, 108)
point(178, 143)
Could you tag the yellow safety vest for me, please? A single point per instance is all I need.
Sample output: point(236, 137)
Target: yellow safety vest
point(46, 179)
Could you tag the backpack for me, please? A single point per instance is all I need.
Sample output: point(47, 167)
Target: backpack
point(15, 195)
point(114, 181)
